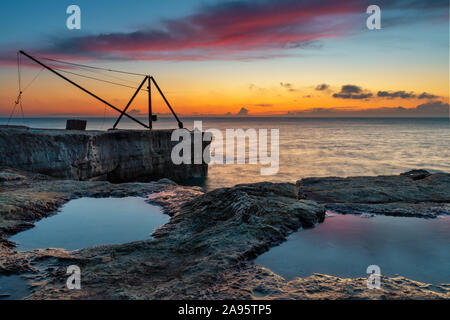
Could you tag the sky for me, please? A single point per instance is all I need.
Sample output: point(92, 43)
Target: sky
point(211, 57)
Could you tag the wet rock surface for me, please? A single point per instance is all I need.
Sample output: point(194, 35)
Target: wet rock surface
point(204, 252)
point(414, 193)
point(256, 282)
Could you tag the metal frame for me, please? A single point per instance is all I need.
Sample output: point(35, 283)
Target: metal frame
point(123, 112)
point(180, 124)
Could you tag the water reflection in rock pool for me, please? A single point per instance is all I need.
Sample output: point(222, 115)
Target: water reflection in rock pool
point(93, 221)
point(345, 245)
point(13, 287)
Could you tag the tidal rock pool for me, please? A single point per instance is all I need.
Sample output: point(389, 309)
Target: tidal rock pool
point(13, 287)
point(88, 222)
point(345, 245)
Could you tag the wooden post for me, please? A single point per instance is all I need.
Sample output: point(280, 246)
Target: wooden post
point(150, 115)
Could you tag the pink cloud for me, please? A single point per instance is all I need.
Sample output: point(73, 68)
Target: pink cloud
point(231, 30)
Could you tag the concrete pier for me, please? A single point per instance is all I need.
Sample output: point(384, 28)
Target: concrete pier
point(115, 156)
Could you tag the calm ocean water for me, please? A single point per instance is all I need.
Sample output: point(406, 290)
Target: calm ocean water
point(316, 147)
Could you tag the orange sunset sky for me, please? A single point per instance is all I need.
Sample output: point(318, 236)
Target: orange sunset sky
point(216, 57)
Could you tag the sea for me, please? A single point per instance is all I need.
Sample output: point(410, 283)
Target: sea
point(309, 147)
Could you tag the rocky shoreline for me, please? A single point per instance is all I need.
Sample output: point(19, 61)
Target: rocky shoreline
point(415, 193)
point(206, 250)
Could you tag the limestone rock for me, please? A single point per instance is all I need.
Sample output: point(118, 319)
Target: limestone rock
point(414, 193)
point(116, 156)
